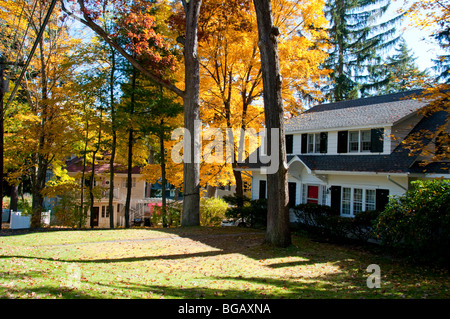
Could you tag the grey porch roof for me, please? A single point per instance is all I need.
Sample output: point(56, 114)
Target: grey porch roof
point(378, 110)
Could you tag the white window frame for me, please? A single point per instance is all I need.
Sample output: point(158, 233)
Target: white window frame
point(353, 202)
point(359, 140)
point(313, 143)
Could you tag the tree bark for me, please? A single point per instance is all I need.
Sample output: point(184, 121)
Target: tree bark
point(83, 173)
point(113, 143)
point(40, 170)
point(130, 152)
point(278, 232)
point(191, 168)
point(129, 178)
point(92, 181)
point(163, 176)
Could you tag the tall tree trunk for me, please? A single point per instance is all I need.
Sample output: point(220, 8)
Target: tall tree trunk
point(37, 201)
point(130, 152)
point(163, 176)
point(14, 198)
point(111, 179)
point(40, 170)
point(91, 184)
point(278, 232)
point(129, 178)
point(83, 178)
point(91, 190)
point(191, 167)
point(114, 142)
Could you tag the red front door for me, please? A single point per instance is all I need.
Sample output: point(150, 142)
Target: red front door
point(313, 195)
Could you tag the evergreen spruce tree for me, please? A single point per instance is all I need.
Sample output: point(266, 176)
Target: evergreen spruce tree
point(397, 73)
point(442, 63)
point(358, 42)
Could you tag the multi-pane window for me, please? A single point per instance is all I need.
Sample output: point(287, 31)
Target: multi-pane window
point(346, 200)
point(353, 141)
point(356, 200)
point(365, 141)
point(370, 199)
point(359, 141)
point(314, 143)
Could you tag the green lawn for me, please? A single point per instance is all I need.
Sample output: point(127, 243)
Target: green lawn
point(199, 263)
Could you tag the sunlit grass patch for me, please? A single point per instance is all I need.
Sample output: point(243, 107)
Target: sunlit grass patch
point(199, 263)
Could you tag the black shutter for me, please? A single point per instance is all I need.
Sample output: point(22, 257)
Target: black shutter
point(336, 199)
point(262, 189)
point(289, 144)
point(304, 143)
point(382, 198)
point(323, 142)
point(342, 141)
point(292, 187)
point(377, 140)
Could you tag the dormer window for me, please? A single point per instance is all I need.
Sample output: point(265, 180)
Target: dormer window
point(361, 141)
point(313, 143)
point(353, 141)
point(366, 141)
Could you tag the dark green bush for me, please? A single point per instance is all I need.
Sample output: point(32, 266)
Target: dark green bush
point(418, 223)
point(362, 225)
point(313, 215)
point(254, 212)
point(322, 221)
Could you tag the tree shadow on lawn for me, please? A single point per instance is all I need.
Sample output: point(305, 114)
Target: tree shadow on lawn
point(250, 243)
point(124, 259)
point(349, 281)
point(31, 290)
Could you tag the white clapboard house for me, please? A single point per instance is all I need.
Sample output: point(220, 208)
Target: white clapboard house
point(349, 155)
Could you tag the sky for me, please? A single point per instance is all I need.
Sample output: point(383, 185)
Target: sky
point(423, 47)
point(419, 41)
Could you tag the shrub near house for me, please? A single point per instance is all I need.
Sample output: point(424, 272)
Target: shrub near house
point(418, 223)
point(322, 222)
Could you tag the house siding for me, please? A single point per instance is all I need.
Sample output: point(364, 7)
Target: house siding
point(361, 174)
point(394, 184)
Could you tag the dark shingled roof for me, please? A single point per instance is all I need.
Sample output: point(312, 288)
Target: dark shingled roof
point(379, 110)
point(399, 161)
point(393, 97)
